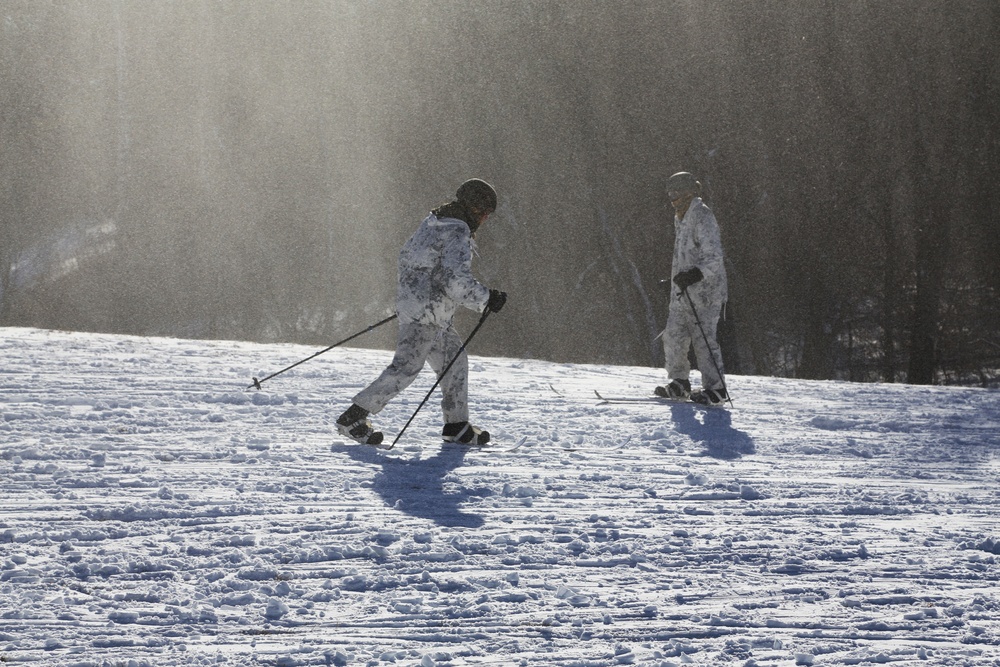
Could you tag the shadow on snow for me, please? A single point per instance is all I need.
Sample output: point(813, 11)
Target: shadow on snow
point(417, 486)
point(713, 428)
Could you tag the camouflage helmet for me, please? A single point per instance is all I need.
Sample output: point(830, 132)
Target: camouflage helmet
point(477, 194)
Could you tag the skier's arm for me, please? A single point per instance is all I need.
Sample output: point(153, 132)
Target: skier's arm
point(708, 246)
point(460, 284)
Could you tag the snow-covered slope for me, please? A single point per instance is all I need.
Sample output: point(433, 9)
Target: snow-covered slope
point(152, 512)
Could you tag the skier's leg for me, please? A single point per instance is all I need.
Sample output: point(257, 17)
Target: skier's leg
point(414, 343)
point(677, 341)
point(454, 385)
point(709, 357)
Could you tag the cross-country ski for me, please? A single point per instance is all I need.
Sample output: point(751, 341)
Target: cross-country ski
point(653, 398)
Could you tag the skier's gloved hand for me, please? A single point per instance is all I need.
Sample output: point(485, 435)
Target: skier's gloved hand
point(685, 279)
point(497, 300)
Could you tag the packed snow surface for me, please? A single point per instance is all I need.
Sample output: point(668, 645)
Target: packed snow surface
point(155, 512)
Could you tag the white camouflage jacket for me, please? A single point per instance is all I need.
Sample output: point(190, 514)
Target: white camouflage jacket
point(435, 273)
point(698, 243)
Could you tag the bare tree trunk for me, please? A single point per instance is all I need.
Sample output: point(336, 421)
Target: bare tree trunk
point(816, 361)
point(932, 256)
point(890, 295)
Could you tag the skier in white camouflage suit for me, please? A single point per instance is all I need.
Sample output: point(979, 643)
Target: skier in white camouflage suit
point(435, 278)
point(698, 267)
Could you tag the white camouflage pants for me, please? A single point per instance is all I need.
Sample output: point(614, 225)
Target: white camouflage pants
point(419, 343)
point(682, 332)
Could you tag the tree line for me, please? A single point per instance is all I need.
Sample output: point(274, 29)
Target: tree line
point(210, 169)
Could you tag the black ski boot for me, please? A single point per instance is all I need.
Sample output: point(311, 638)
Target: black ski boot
point(354, 424)
point(678, 390)
point(465, 433)
point(710, 396)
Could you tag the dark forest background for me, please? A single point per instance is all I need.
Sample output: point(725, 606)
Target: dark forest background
point(249, 170)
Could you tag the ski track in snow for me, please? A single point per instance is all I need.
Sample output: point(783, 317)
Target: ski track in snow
point(155, 513)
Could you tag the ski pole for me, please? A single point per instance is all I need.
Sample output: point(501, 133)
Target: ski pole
point(256, 383)
point(441, 377)
point(708, 346)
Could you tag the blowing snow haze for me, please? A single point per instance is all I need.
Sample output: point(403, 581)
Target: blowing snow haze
point(243, 170)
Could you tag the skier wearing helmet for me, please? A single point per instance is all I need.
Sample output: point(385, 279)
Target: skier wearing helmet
point(435, 278)
point(698, 270)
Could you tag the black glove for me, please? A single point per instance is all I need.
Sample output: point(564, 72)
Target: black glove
point(685, 279)
point(497, 300)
